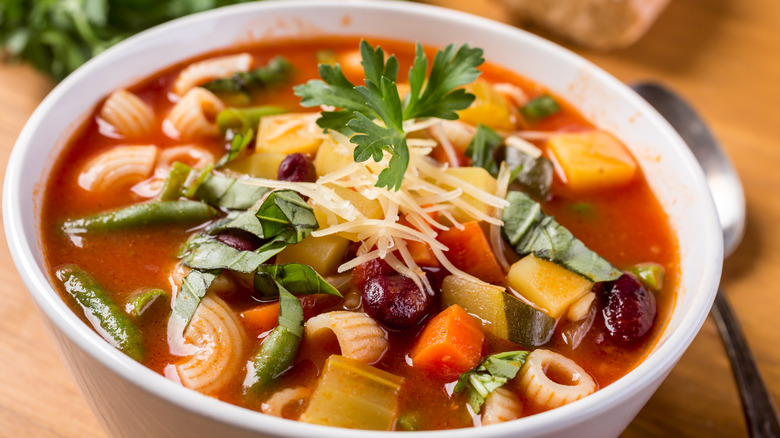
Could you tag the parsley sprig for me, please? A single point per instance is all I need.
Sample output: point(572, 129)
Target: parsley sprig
point(375, 112)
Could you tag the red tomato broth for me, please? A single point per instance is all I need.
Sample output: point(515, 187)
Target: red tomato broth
point(126, 261)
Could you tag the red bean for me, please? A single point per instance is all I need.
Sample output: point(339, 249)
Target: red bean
point(297, 168)
point(395, 301)
point(239, 240)
point(628, 309)
point(363, 272)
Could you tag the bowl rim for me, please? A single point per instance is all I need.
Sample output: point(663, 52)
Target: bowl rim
point(653, 367)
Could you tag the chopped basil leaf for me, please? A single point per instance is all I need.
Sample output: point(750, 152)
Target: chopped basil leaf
point(192, 290)
point(230, 193)
point(299, 278)
point(540, 107)
point(529, 230)
point(238, 144)
point(482, 149)
point(237, 220)
point(534, 175)
point(494, 372)
point(286, 215)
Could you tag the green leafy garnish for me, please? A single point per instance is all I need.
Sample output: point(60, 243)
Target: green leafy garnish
point(483, 147)
point(375, 112)
point(238, 144)
point(297, 277)
point(277, 71)
point(231, 193)
point(529, 230)
point(540, 107)
point(192, 290)
point(285, 215)
point(494, 372)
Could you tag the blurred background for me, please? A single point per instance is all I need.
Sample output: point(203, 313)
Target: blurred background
point(722, 55)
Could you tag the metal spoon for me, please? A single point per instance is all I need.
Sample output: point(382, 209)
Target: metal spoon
point(760, 412)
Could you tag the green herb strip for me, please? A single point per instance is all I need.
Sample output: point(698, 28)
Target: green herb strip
point(529, 230)
point(494, 372)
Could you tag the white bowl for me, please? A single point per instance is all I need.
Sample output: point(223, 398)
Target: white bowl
point(131, 401)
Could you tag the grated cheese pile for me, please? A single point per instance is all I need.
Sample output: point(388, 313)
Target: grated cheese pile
point(426, 189)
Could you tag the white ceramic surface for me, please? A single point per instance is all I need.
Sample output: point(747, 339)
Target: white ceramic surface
point(131, 401)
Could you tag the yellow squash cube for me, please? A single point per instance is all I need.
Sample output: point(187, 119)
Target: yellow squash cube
point(258, 165)
point(370, 208)
point(331, 156)
point(592, 160)
point(288, 134)
point(479, 178)
point(324, 254)
point(546, 284)
point(490, 107)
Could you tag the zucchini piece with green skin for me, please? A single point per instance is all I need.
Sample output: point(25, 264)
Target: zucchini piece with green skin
point(650, 274)
point(278, 351)
point(105, 316)
point(509, 318)
point(143, 215)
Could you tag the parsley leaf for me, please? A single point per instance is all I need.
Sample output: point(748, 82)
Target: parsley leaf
point(375, 113)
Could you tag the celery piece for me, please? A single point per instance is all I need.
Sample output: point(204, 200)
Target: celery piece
point(354, 395)
point(650, 274)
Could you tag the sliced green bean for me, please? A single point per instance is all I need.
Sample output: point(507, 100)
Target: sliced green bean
point(105, 316)
point(243, 119)
point(139, 301)
point(143, 215)
point(280, 347)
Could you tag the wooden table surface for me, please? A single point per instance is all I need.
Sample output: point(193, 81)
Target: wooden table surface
point(722, 55)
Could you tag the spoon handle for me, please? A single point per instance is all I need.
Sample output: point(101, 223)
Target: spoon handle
point(760, 412)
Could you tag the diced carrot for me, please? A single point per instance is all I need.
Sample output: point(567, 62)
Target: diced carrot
point(422, 254)
point(450, 344)
point(262, 318)
point(440, 154)
point(470, 251)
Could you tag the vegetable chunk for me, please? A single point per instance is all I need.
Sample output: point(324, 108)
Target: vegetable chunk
point(546, 284)
point(450, 344)
point(479, 178)
point(259, 165)
point(509, 318)
point(288, 134)
point(470, 251)
point(592, 160)
point(323, 254)
point(354, 395)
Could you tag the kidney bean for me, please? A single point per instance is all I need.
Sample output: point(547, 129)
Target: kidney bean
point(297, 167)
point(628, 309)
point(363, 272)
point(239, 240)
point(395, 301)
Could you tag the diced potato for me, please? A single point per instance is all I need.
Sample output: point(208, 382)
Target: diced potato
point(258, 165)
point(490, 108)
point(370, 208)
point(546, 284)
point(592, 160)
point(479, 178)
point(331, 157)
point(324, 254)
point(354, 395)
point(508, 317)
point(288, 134)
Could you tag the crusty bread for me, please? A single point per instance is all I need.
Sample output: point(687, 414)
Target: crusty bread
point(599, 24)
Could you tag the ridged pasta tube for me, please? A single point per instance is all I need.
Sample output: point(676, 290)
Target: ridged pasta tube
point(128, 114)
point(194, 116)
point(276, 403)
point(500, 406)
point(219, 338)
point(542, 390)
point(199, 73)
point(192, 155)
point(360, 337)
point(117, 167)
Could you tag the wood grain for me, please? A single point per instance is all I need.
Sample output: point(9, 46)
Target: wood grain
point(722, 55)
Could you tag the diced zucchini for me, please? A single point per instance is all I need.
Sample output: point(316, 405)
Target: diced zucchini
point(258, 165)
point(331, 156)
point(490, 107)
point(354, 395)
point(479, 178)
point(592, 160)
point(546, 284)
point(509, 318)
point(324, 254)
point(282, 135)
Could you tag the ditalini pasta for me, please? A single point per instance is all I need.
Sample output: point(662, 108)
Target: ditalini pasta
point(117, 167)
point(130, 116)
point(218, 338)
point(194, 116)
point(449, 253)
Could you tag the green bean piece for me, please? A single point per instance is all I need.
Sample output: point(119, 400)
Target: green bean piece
point(243, 119)
point(280, 347)
point(139, 301)
point(650, 274)
point(106, 317)
point(540, 107)
point(143, 215)
point(173, 187)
